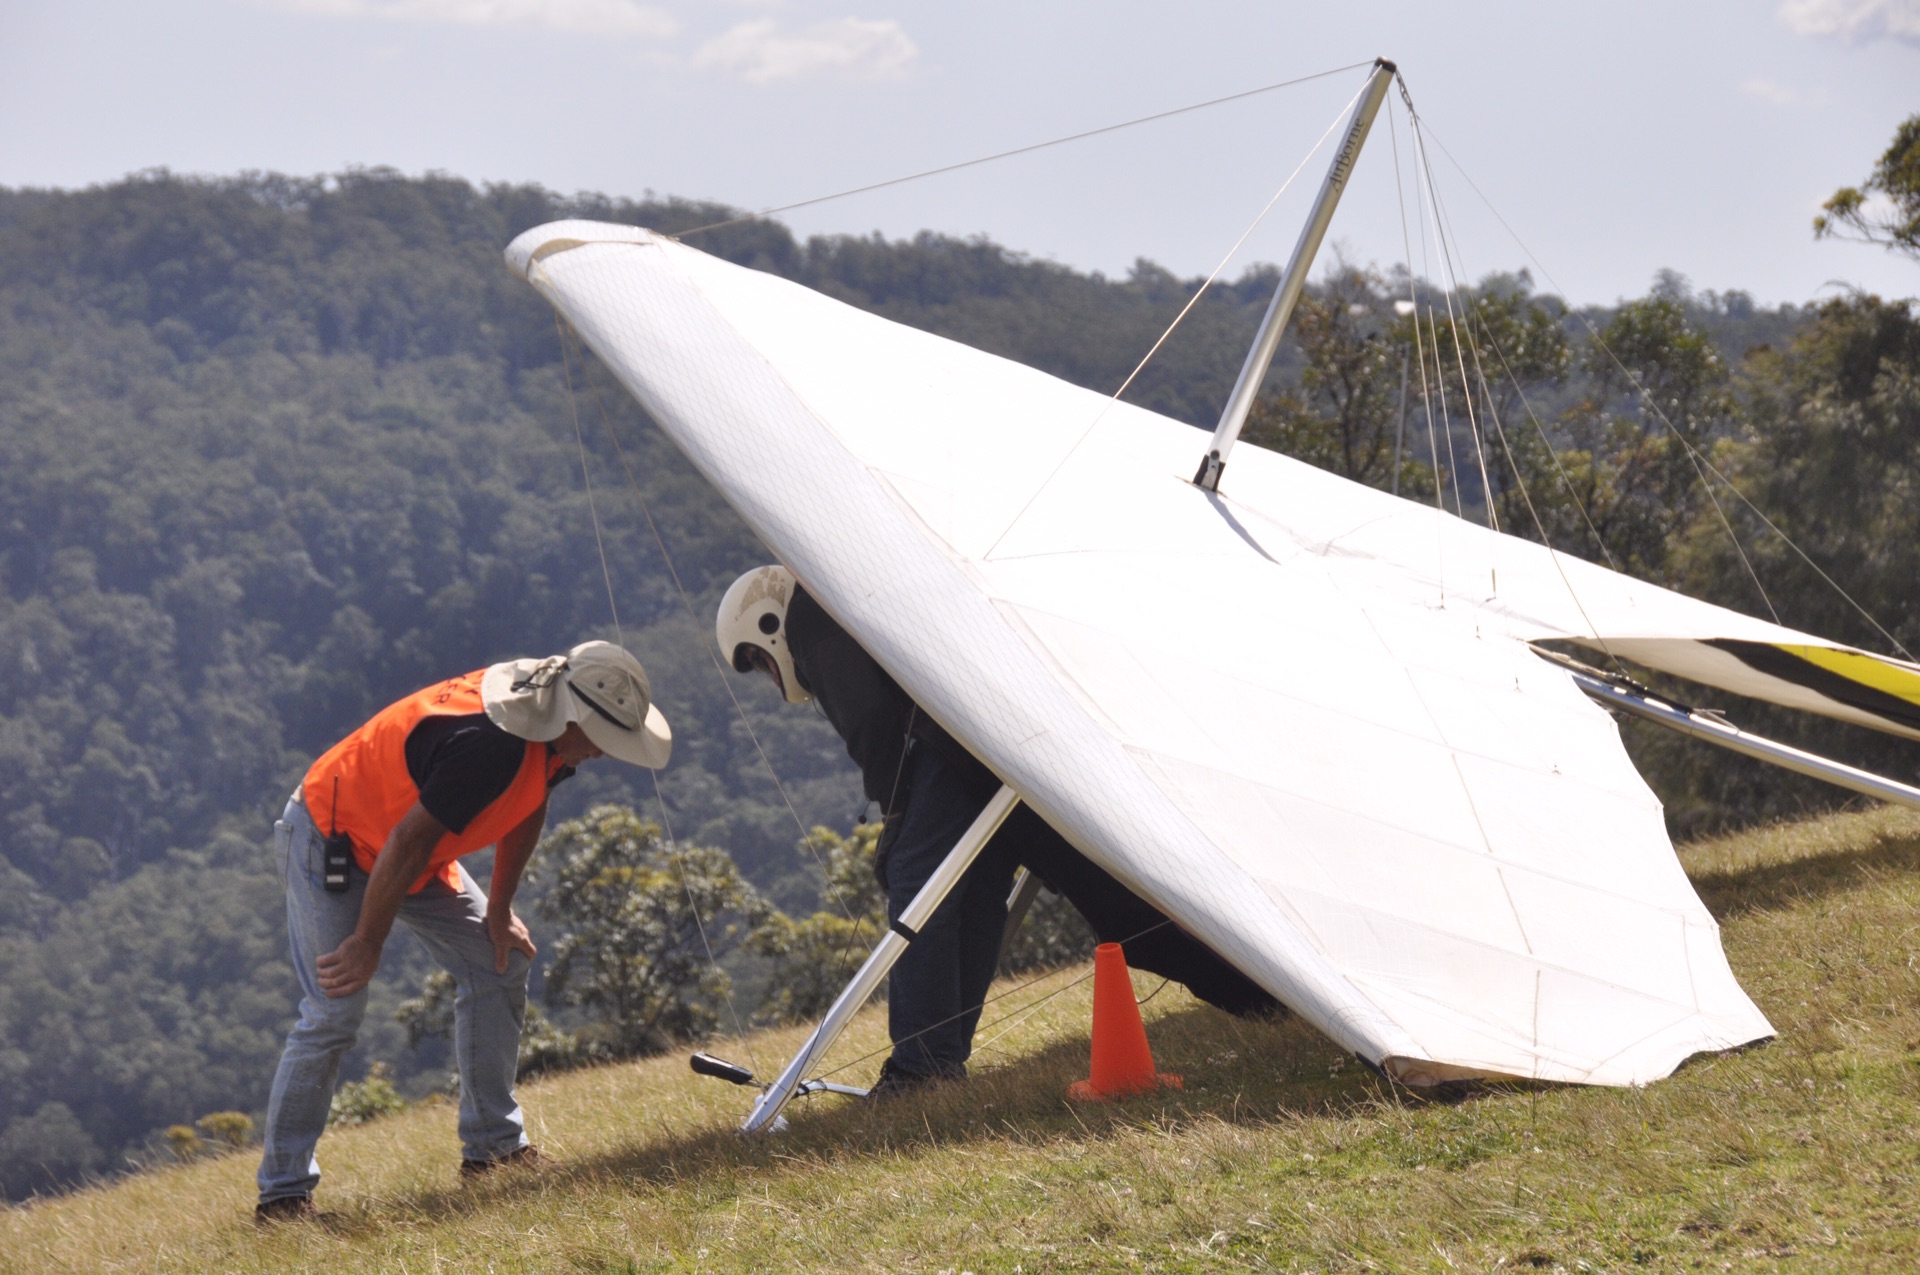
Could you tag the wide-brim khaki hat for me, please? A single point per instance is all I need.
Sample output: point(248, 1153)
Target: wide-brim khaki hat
point(597, 684)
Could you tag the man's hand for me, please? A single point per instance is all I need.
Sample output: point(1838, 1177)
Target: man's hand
point(509, 933)
point(348, 968)
point(510, 857)
point(351, 966)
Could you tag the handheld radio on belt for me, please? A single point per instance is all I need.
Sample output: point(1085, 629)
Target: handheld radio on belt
point(337, 848)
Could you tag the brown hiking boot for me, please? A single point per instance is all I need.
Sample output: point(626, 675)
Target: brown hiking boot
point(527, 1157)
point(288, 1208)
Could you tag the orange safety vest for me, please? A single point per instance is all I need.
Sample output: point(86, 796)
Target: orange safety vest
point(369, 771)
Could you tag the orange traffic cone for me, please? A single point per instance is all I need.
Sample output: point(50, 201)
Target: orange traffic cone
point(1122, 1063)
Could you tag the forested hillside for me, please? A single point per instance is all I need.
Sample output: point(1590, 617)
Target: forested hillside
point(274, 451)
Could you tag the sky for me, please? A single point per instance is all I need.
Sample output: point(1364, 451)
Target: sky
point(1594, 144)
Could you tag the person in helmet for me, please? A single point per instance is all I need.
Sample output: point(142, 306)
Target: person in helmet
point(375, 833)
point(929, 788)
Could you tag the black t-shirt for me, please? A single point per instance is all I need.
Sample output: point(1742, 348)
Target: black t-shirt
point(462, 763)
point(869, 709)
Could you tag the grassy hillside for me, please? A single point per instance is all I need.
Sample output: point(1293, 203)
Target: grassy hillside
point(1278, 1154)
point(274, 451)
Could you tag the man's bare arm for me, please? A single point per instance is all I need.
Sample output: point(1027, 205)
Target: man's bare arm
point(351, 966)
point(510, 858)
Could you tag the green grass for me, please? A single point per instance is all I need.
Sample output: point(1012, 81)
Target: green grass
point(1279, 1154)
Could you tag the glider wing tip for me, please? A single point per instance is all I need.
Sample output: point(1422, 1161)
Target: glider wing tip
point(530, 247)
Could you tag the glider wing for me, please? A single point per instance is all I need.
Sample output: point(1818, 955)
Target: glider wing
point(1284, 714)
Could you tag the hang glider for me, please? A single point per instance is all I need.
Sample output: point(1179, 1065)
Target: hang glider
point(1301, 716)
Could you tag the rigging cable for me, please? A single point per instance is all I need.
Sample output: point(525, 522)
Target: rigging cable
point(1446, 417)
point(666, 823)
point(1702, 461)
point(1694, 457)
point(1429, 227)
point(1413, 296)
point(1526, 496)
point(1430, 337)
point(1419, 344)
point(1553, 454)
point(726, 684)
point(1017, 1018)
point(573, 403)
point(686, 601)
point(1231, 253)
point(998, 996)
point(1546, 540)
point(1019, 150)
point(693, 906)
point(1424, 168)
point(1177, 320)
point(1433, 334)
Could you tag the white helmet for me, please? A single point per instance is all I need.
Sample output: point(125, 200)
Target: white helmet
point(752, 627)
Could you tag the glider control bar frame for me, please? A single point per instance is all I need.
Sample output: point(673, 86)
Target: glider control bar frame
point(1267, 341)
point(1026, 887)
point(766, 1109)
point(1630, 697)
point(705, 1064)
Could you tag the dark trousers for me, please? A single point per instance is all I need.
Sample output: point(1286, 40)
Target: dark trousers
point(1151, 940)
point(937, 986)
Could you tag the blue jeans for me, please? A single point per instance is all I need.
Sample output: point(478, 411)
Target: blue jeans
point(937, 986)
point(489, 1010)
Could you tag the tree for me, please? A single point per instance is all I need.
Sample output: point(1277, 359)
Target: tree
point(1504, 352)
point(184, 1142)
point(1657, 393)
point(1897, 178)
point(812, 957)
point(1831, 452)
point(361, 1101)
point(428, 1016)
point(46, 1150)
point(647, 925)
point(232, 1129)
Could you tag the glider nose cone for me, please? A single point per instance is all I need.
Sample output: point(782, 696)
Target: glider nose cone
point(531, 247)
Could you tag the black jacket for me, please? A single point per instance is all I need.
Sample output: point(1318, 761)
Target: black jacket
point(873, 715)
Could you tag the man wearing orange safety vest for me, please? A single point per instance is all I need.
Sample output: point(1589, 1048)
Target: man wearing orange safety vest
point(376, 832)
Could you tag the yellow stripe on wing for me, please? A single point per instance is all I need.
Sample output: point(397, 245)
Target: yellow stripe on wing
point(1891, 677)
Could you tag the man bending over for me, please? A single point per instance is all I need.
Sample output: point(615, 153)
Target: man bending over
point(929, 788)
point(376, 832)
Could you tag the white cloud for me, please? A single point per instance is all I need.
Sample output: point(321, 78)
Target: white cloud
point(850, 48)
point(1855, 21)
point(1778, 94)
point(584, 17)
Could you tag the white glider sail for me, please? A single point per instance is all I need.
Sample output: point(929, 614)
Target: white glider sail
point(1300, 716)
point(1536, 594)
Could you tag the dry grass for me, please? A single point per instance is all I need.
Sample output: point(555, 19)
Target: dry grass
point(1279, 1154)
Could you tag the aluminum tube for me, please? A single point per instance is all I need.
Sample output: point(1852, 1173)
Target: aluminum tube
point(1019, 900)
point(766, 1109)
point(1280, 309)
point(1726, 735)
